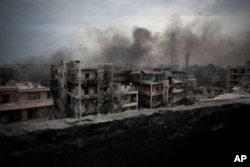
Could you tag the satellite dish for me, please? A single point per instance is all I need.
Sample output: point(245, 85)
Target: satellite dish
point(12, 82)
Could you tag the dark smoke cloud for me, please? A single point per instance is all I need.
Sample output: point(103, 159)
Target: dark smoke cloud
point(201, 37)
point(37, 68)
point(120, 50)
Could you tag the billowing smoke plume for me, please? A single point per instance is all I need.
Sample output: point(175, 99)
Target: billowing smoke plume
point(120, 50)
point(201, 37)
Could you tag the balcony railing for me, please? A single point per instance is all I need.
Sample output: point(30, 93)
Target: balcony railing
point(149, 82)
point(155, 93)
point(26, 104)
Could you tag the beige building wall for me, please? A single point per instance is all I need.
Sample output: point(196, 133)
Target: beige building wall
point(23, 103)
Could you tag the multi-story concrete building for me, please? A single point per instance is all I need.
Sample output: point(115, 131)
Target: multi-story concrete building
point(125, 97)
point(79, 89)
point(24, 101)
point(238, 76)
point(153, 86)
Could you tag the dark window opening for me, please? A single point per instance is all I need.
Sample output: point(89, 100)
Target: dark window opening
point(86, 90)
point(105, 89)
point(34, 113)
point(86, 105)
point(116, 100)
point(106, 75)
point(106, 102)
point(87, 75)
point(6, 98)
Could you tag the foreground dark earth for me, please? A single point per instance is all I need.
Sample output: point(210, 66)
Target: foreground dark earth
point(203, 136)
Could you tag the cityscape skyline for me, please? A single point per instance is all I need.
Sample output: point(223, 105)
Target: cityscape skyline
point(40, 32)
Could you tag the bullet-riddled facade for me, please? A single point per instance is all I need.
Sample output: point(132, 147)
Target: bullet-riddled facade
point(238, 76)
point(79, 89)
point(153, 86)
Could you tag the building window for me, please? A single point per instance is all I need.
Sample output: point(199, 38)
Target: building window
point(116, 100)
point(5, 98)
point(106, 89)
point(33, 96)
point(87, 75)
point(86, 105)
point(85, 89)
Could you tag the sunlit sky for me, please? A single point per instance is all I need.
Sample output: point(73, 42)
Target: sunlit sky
point(41, 27)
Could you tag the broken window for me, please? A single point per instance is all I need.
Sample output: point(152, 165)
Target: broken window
point(86, 105)
point(133, 98)
point(106, 75)
point(105, 89)
point(86, 90)
point(116, 100)
point(6, 98)
point(106, 102)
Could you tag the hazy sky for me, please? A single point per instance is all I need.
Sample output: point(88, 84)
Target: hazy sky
point(44, 27)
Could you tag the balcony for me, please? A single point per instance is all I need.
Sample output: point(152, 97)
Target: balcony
point(130, 104)
point(26, 104)
point(149, 82)
point(93, 96)
point(89, 81)
point(152, 93)
point(175, 90)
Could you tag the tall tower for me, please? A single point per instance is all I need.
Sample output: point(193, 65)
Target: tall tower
point(187, 56)
point(173, 52)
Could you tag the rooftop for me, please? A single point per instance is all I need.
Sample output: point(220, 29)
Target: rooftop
point(22, 86)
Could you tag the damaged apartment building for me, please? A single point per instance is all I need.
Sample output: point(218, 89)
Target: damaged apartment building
point(24, 102)
point(153, 86)
point(238, 77)
point(79, 89)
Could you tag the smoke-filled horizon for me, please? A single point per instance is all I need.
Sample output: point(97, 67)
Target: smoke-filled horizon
point(202, 38)
point(125, 32)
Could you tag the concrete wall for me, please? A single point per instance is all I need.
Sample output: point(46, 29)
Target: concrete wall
point(203, 135)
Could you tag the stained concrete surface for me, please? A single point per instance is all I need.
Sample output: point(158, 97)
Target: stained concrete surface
point(202, 135)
